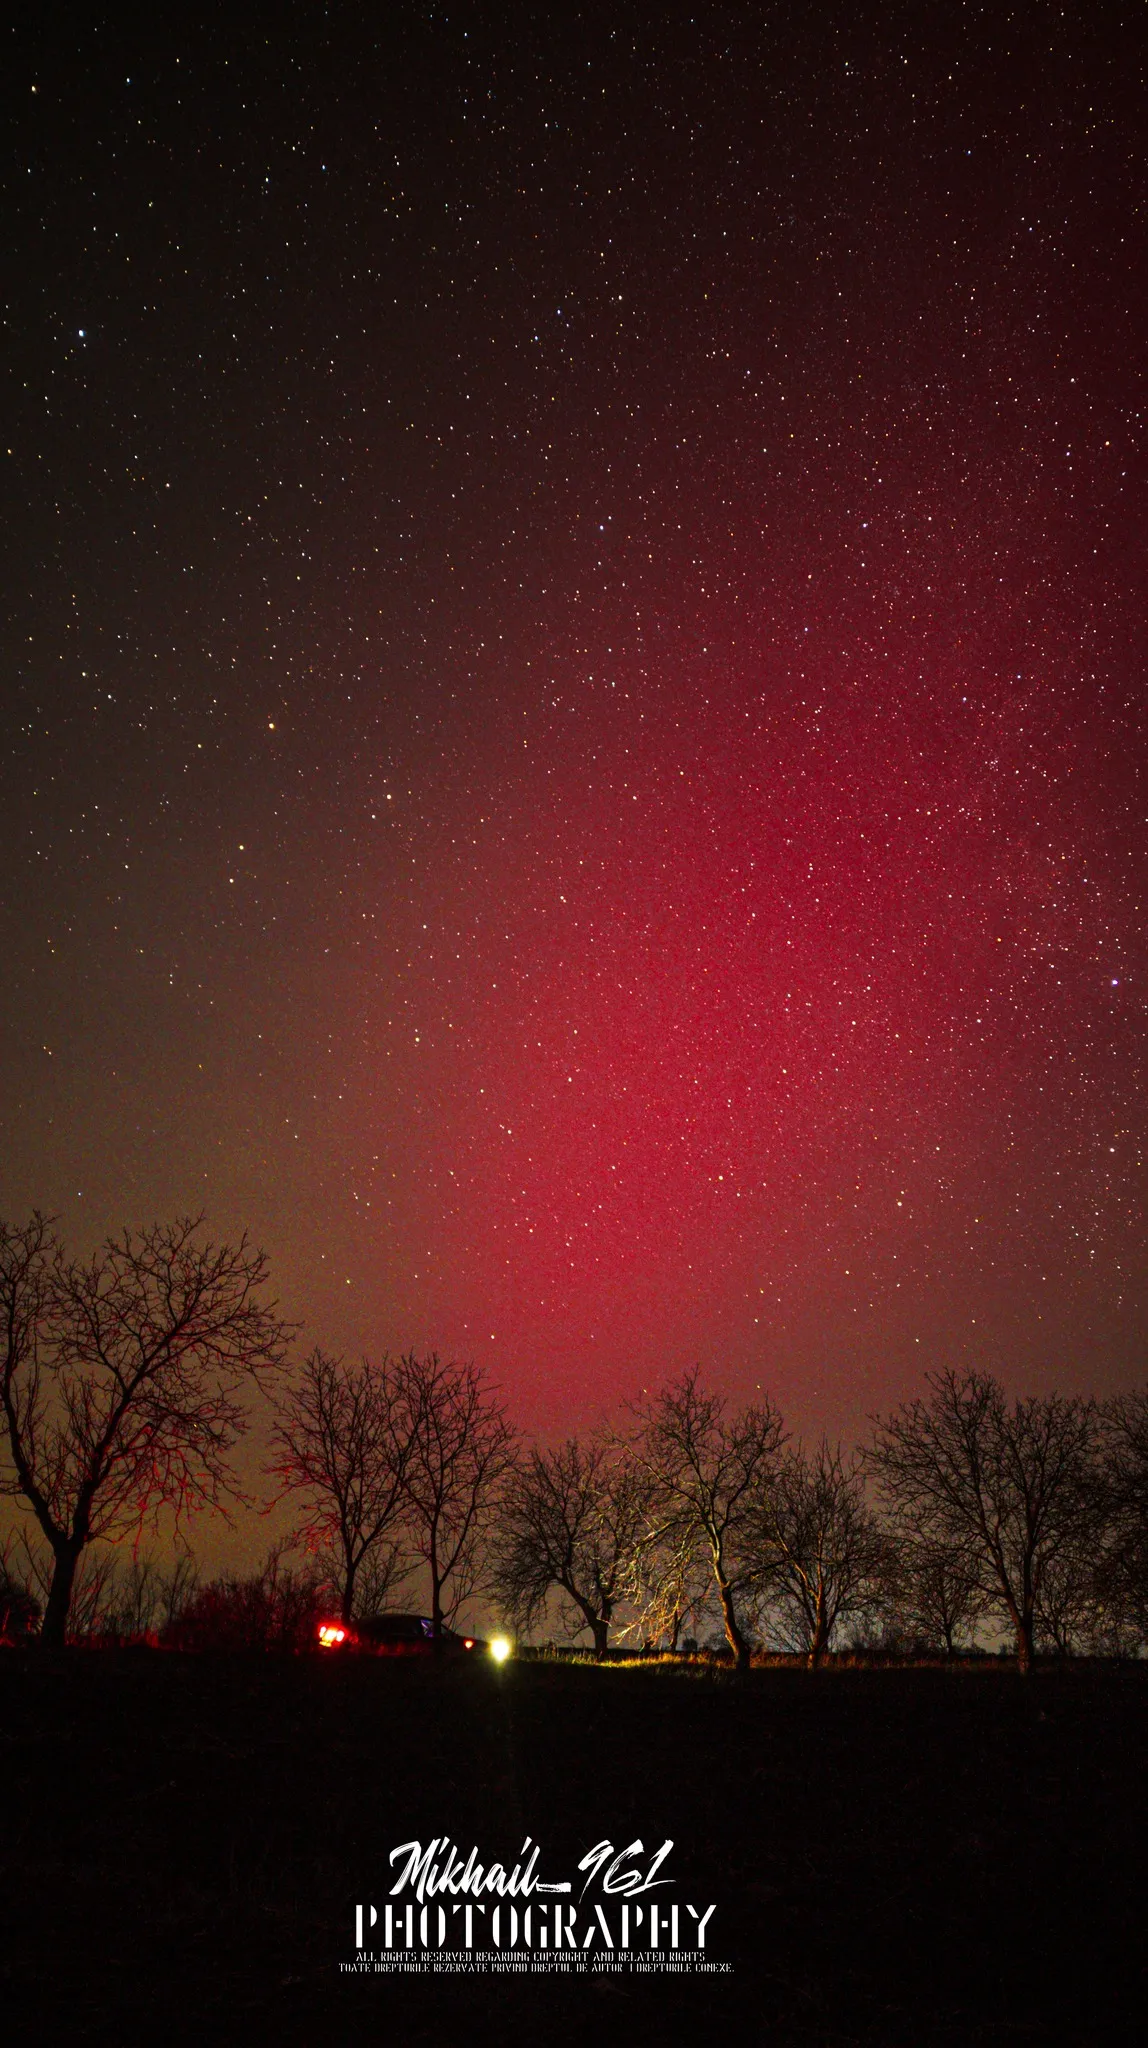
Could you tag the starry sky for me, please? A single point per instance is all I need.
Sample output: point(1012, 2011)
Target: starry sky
point(573, 652)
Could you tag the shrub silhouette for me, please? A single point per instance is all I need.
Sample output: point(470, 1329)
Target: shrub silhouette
point(19, 1611)
point(275, 1609)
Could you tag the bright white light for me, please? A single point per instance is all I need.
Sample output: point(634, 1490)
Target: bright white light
point(500, 1649)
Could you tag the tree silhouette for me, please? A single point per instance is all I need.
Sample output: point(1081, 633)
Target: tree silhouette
point(572, 1522)
point(343, 1445)
point(822, 1553)
point(709, 1474)
point(121, 1380)
point(934, 1590)
point(1121, 1582)
point(461, 1446)
point(1008, 1491)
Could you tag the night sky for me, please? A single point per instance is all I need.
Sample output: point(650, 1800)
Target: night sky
point(574, 677)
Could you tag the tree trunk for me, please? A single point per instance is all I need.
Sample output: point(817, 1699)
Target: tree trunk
point(54, 1629)
point(1024, 1643)
point(349, 1577)
point(734, 1637)
point(601, 1631)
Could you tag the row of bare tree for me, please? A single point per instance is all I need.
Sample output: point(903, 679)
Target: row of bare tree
point(126, 1382)
point(964, 1512)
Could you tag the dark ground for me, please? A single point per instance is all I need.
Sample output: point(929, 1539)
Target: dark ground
point(899, 1858)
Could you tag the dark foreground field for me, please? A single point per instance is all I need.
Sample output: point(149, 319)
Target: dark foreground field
point(897, 1857)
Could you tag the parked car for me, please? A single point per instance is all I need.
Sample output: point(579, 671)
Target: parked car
point(395, 1635)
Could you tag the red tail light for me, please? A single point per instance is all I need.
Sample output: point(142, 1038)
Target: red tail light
point(331, 1634)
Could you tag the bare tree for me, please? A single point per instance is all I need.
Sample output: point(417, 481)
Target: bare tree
point(343, 1445)
point(121, 1381)
point(572, 1522)
point(1121, 1581)
point(672, 1582)
point(461, 1448)
point(934, 1590)
point(822, 1553)
point(709, 1472)
point(1007, 1489)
